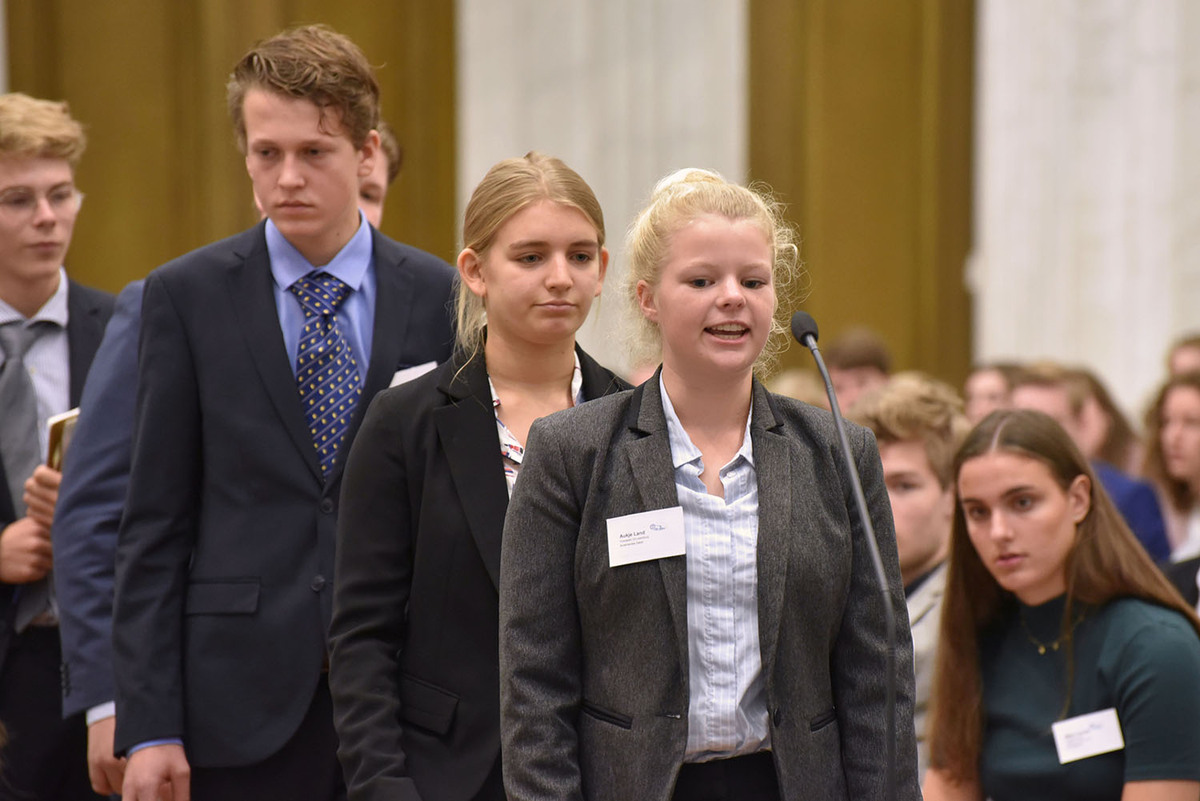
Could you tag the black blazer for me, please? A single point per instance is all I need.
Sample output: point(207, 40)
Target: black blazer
point(414, 668)
point(225, 556)
point(88, 311)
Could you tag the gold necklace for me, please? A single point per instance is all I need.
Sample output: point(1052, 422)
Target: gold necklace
point(1053, 645)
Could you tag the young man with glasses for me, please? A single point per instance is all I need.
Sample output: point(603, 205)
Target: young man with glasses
point(49, 330)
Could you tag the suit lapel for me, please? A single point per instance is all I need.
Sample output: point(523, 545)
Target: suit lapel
point(467, 430)
point(927, 595)
point(253, 300)
point(597, 381)
point(393, 299)
point(85, 328)
point(773, 467)
point(654, 478)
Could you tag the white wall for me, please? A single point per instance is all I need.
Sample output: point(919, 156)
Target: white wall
point(1087, 198)
point(623, 91)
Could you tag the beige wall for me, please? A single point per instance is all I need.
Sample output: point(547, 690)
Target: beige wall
point(162, 174)
point(860, 117)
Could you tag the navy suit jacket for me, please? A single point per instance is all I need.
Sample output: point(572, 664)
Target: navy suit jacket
point(1183, 576)
point(1138, 504)
point(225, 552)
point(90, 502)
point(88, 311)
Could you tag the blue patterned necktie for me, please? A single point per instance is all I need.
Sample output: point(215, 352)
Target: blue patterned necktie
point(326, 368)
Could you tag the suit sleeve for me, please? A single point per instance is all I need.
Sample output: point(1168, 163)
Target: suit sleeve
point(90, 504)
point(540, 639)
point(374, 567)
point(159, 528)
point(861, 649)
point(1146, 520)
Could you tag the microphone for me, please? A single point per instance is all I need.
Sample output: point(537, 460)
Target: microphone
point(804, 329)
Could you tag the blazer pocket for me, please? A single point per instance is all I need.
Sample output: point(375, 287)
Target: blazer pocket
point(425, 705)
point(607, 715)
point(822, 720)
point(239, 597)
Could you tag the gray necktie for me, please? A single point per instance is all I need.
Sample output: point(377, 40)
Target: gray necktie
point(18, 412)
point(20, 448)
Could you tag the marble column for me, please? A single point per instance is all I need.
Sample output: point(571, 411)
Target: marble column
point(623, 91)
point(1087, 194)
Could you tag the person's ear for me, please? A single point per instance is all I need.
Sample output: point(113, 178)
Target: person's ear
point(367, 154)
point(470, 269)
point(646, 301)
point(603, 270)
point(1079, 498)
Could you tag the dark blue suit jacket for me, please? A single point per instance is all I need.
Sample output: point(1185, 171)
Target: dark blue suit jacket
point(224, 560)
point(1138, 504)
point(90, 503)
point(88, 311)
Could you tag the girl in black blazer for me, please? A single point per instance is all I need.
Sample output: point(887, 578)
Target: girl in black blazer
point(414, 668)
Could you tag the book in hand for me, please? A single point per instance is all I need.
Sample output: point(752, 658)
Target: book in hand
point(61, 426)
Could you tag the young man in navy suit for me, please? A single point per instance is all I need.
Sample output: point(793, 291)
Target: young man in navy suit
point(258, 356)
point(92, 500)
point(49, 329)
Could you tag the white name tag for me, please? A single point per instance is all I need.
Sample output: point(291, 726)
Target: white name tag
point(409, 373)
point(1088, 735)
point(644, 536)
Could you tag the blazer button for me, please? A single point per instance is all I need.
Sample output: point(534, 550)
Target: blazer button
point(327, 505)
point(318, 583)
point(777, 716)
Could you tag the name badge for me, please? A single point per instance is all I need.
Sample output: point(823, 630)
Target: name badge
point(409, 373)
point(1088, 735)
point(645, 536)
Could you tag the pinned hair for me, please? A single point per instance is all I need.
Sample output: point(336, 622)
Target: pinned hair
point(509, 186)
point(678, 199)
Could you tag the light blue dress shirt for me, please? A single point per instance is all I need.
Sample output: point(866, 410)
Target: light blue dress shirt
point(727, 704)
point(354, 265)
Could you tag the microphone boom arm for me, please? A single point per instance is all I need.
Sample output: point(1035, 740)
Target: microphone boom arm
point(809, 340)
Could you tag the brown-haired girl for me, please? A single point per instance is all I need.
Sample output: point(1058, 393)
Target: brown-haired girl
point(1173, 460)
point(1067, 664)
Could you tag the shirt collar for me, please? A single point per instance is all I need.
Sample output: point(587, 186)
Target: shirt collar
point(349, 265)
point(53, 310)
point(683, 450)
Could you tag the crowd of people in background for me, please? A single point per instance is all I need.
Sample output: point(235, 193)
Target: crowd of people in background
point(342, 520)
point(1096, 635)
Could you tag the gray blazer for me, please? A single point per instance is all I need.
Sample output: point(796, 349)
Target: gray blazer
point(594, 660)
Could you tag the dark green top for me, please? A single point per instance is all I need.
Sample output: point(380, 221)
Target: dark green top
point(1140, 658)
